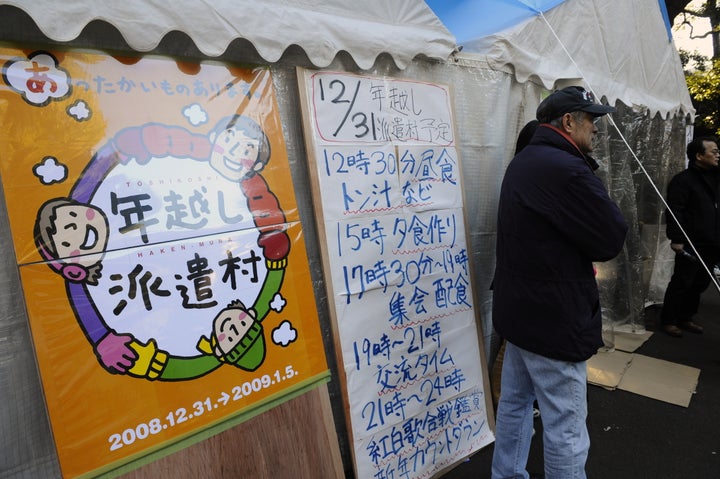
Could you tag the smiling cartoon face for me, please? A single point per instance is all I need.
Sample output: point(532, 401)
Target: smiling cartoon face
point(80, 232)
point(230, 326)
point(234, 154)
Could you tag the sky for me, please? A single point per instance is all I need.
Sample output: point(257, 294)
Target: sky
point(681, 36)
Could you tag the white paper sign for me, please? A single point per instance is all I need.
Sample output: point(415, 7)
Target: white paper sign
point(389, 183)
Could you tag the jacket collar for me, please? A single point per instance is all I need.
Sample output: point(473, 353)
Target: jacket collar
point(544, 135)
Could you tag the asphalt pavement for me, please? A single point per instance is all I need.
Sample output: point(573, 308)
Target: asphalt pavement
point(635, 437)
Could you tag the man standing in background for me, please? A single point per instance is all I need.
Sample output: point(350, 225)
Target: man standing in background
point(692, 196)
point(555, 219)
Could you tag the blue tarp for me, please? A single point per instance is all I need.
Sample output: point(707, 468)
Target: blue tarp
point(473, 19)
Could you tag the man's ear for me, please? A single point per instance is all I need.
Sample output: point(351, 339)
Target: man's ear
point(568, 122)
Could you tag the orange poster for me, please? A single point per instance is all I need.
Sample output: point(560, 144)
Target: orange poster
point(160, 249)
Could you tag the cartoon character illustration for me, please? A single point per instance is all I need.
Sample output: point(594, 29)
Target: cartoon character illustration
point(237, 338)
point(72, 237)
point(237, 333)
point(237, 149)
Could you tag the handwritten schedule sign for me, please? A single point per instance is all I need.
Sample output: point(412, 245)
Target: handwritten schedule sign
point(361, 110)
point(388, 184)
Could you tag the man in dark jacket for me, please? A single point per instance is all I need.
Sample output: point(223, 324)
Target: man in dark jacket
point(555, 219)
point(693, 199)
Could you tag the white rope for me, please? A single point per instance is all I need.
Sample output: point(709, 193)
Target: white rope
point(637, 160)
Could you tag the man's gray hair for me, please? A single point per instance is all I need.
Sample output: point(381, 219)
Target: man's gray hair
point(578, 115)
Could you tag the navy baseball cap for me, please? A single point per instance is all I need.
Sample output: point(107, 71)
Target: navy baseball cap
point(569, 99)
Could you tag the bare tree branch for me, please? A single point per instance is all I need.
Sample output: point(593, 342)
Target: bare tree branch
point(682, 15)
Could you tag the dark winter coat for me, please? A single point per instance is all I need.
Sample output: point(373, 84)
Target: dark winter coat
point(555, 219)
point(693, 197)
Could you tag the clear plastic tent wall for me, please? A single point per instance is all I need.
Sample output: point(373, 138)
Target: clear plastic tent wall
point(623, 52)
point(491, 106)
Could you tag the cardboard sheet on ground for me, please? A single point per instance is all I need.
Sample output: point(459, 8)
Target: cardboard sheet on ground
point(654, 378)
point(606, 369)
point(629, 342)
point(650, 377)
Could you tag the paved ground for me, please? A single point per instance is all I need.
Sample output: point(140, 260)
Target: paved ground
point(635, 437)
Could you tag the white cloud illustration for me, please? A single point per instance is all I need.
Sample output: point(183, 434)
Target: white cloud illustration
point(195, 114)
point(50, 171)
point(79, 110)
point(38, 79)
point(284, 334)
point(278, 303)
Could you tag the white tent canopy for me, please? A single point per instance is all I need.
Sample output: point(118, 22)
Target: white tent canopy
point(402, 28)
point(615, 46)
point(619, 48)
